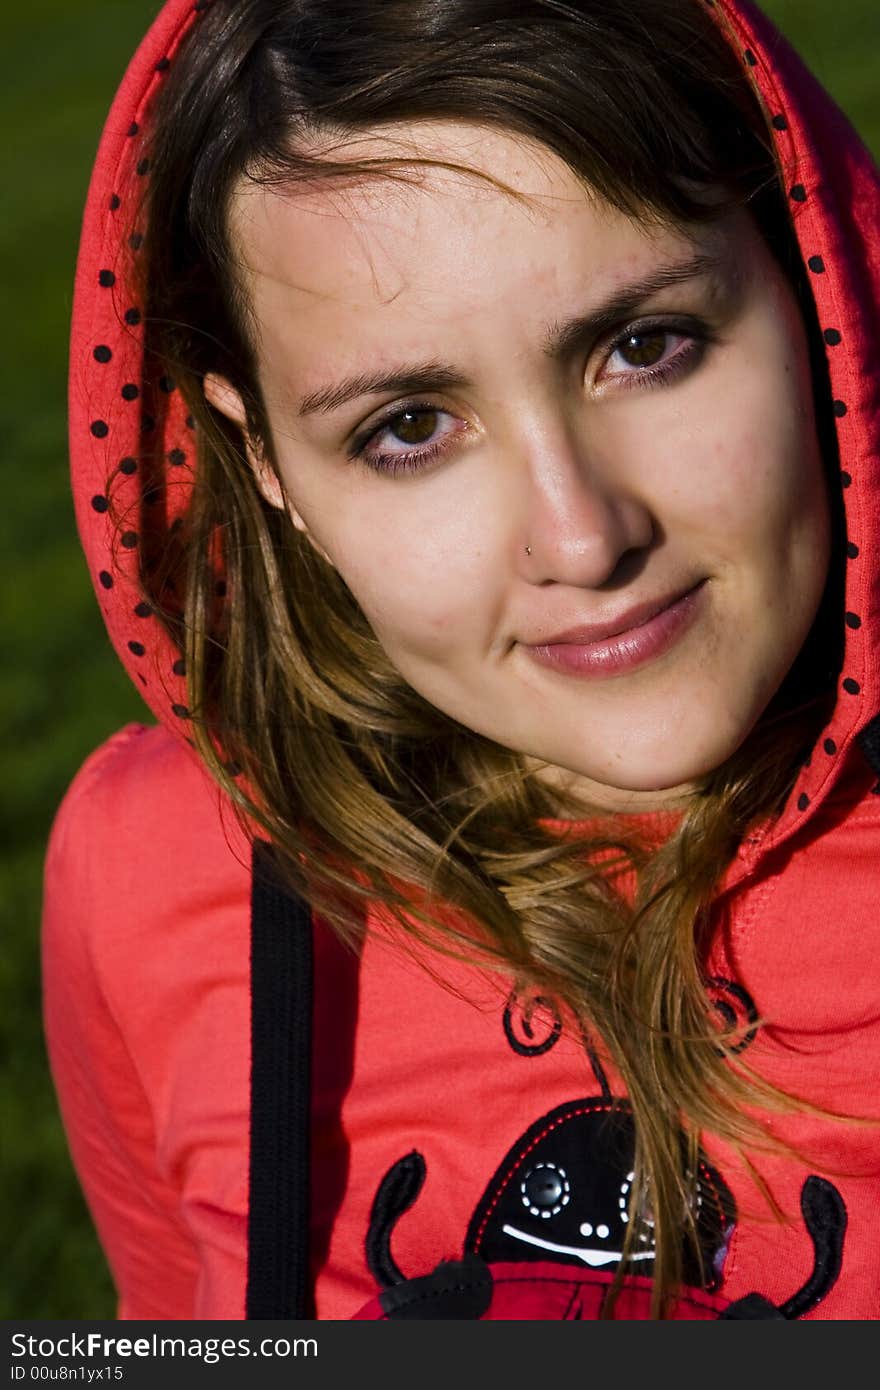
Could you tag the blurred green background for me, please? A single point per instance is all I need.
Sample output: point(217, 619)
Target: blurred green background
point(63, 690)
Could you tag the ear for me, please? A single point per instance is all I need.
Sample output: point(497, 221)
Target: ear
point(224, 397)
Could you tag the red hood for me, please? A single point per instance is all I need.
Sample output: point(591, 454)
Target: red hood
point(124, 510)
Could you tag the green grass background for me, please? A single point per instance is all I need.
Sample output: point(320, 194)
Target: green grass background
point(62, 689)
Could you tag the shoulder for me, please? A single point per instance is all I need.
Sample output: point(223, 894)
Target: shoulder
point(143, 852)
point(135, 773)
point(141, 796)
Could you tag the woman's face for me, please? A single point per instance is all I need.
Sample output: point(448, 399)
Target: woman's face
point(503, 420)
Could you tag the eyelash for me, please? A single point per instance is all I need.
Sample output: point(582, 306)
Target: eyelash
point(416, 459)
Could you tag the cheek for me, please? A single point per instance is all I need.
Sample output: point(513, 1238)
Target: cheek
point(415, 571)
point(773, 467)
point(741, 461)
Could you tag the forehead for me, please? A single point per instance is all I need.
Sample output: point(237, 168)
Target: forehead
point(365, 255)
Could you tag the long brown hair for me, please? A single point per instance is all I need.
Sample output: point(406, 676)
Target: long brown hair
point(369, 793)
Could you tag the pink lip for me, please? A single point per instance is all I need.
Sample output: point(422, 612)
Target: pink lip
point(641, 634)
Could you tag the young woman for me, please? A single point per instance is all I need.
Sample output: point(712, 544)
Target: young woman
point(474, 427)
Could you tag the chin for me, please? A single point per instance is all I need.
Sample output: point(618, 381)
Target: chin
point(656, 770)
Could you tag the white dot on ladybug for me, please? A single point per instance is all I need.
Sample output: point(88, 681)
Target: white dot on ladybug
point(586, 1229)
point(603, 1232)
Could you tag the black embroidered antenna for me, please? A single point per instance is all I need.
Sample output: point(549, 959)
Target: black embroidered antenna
point(281, 1034)
point(527, 1041)
point(598, 1070)
point(517, 1018)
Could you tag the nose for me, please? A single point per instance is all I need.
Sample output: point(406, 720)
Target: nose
point(580, 514)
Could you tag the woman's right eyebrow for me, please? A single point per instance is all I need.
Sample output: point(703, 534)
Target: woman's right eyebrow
point(421, 376)
point(562, 339)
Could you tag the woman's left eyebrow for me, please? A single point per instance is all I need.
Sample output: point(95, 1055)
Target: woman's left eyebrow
point(561, 340)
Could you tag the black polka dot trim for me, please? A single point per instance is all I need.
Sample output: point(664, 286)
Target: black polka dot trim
point(106, 579)
point(853, 620)
point(142, 679)
point(840, 409)
point(100, 429)
point(803, 801)
point(851, 687)
point(106, 278)
point(115, 201)
point(817, 265)
point(177, 457)
point(143, 167)
point(130, 392)
point(133, 128)
point(179, 667)
point(136, 241)
point(128, 466)
point(832, 337)
point(137, 648)
point(100, 503)
point(129, 539)
point(102, 353)
point(144, 610)
point(830, 746)
point(190, 422)
point(133, 316)
point(798, 193)
point(852, 550)
point(750, 58)
point(163, 65)
point(845, 479)
point(181, 711)
point(779, 123)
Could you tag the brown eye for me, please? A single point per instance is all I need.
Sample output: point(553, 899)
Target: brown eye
point(408, 439)
point(644, 349)
point(413, 426)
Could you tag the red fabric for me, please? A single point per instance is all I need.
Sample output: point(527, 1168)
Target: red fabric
point(565, 1295)
point(147, 878)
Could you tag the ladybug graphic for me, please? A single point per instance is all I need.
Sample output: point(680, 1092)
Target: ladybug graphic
point(547, 1234)
point(560, 1195)
point(562, 1192)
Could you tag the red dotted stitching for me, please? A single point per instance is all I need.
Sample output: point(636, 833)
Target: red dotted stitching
point(548, 1129)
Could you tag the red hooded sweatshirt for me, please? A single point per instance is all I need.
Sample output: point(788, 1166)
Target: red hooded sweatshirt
point(267, 1126)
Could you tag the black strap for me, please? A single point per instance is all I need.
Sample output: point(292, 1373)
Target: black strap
point(281, 1034)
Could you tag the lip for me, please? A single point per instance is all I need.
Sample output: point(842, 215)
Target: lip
point(620, 644)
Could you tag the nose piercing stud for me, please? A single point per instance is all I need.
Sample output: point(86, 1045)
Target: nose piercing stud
point(528, 550)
